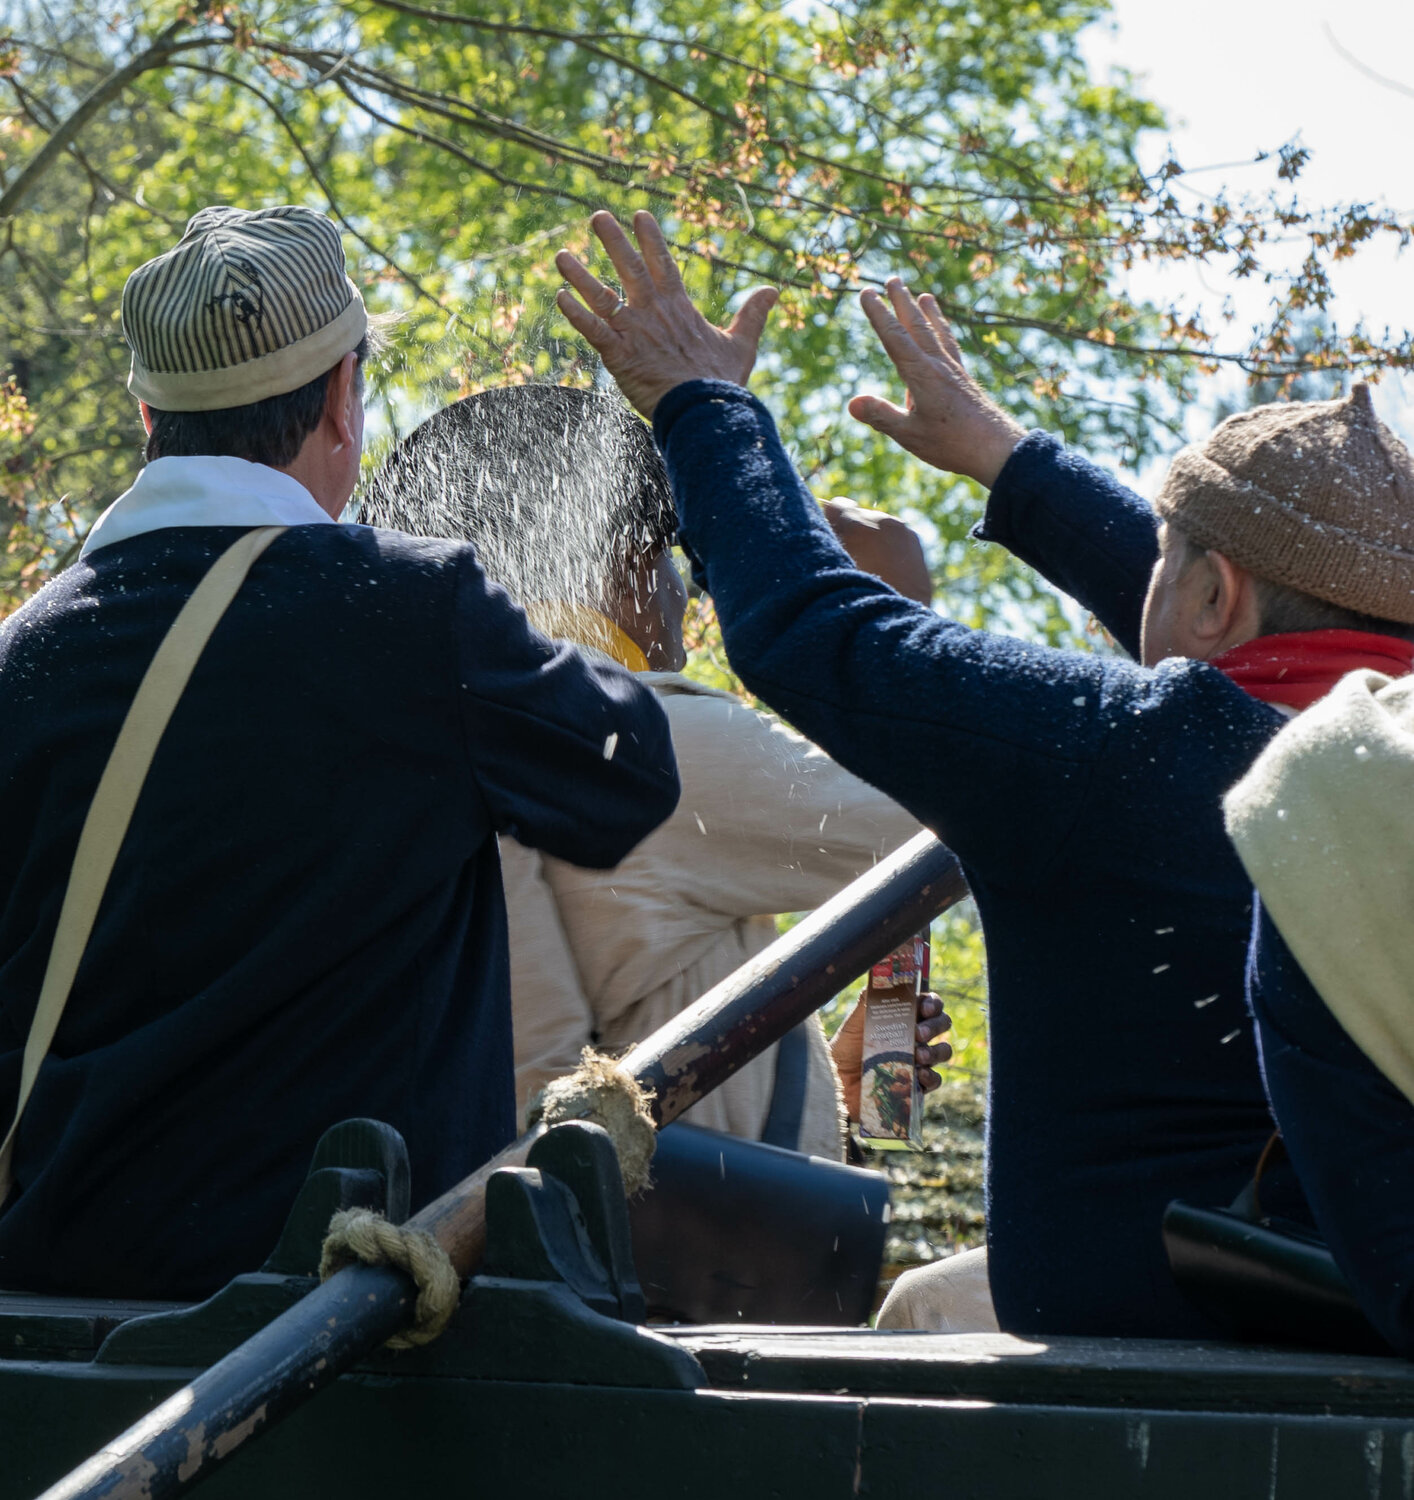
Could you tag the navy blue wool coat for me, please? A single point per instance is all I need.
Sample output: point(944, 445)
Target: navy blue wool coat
point(1348, 1129)
point(306, 920)
point(1082, 794)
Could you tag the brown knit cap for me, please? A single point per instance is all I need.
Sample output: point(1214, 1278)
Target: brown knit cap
point(1316, 495)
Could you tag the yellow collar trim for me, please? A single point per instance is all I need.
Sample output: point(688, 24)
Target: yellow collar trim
point(586, 627)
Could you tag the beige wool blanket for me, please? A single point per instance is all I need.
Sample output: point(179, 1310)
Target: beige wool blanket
point(1324, 824)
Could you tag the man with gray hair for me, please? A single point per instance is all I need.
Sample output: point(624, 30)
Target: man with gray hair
point(305, 921)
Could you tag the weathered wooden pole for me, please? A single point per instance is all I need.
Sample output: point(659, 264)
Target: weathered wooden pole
point(738, 1019)
point(359, 1309)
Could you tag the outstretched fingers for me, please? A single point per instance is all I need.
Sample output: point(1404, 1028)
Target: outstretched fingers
point(656, 338)
point(657, 255)
point(597, 296)
point(883, 416)
point(909, 360)
point(594, 329)
point(942, 329)
point(908, 312)
point(637, 284)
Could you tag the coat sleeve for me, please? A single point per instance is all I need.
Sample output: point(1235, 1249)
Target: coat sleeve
point(768, 822)
point(571, 754)
point(991, 742)
point(1079, 528)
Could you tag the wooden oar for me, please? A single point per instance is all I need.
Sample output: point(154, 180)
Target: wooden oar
point(357, 1310)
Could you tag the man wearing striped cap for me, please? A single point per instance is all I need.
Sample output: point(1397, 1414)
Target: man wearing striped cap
point(305, 919)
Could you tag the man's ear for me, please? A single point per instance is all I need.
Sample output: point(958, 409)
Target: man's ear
point(341, 396)
point(1228, 612)
point(146, 411)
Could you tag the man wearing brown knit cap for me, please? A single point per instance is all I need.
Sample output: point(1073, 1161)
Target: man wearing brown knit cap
point(1285, 558)
point(1282, 554)
point(305, 921)
point(1279, 562)
point(1082, 793)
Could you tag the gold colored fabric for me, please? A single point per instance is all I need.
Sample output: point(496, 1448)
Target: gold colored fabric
point(586, 627)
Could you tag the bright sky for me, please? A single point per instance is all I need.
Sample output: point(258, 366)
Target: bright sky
point(1239, 76)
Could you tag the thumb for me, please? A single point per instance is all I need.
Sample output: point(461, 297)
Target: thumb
point(847, 1044)
point(750, 321)
point(883, 416)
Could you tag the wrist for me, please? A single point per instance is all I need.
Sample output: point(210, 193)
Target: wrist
point(685, 395)
point(992, 455)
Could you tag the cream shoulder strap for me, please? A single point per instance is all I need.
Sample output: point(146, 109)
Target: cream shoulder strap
point(118, 789)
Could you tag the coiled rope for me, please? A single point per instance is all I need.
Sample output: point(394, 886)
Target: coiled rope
point(360, 1236)
point(599, 1091)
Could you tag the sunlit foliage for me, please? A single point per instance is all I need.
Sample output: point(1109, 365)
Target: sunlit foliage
point(962, 143)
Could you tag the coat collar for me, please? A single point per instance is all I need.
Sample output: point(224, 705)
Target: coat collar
point(206, 491)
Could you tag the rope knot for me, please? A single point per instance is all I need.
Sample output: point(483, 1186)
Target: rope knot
point(360, 1236)
point(604, 1093)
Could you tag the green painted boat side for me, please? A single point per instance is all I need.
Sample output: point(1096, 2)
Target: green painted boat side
point(546, 1384)
point(376, 1433)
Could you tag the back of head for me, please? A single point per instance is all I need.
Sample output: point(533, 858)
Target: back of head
point(1316, 500)
point(234, 330)
point(559, 490)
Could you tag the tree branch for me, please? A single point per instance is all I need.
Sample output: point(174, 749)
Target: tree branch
point(627, 173)
point(102, 93)
point(312, 168)
point(1364, 67)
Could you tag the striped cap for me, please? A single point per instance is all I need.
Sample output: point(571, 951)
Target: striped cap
point(248, 304)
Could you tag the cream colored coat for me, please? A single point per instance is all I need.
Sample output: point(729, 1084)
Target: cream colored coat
point(768, 823)
point(1324, 823)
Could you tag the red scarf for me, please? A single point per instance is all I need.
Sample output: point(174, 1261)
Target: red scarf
point(1299, 668)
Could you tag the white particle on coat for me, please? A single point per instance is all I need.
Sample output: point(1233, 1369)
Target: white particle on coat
point(610, 745)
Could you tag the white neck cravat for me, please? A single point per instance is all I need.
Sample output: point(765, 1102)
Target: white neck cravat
point(206, 491)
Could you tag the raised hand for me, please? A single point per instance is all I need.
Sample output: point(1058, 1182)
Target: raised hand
point(883, 545)
point(947, 421)
point(653, 338)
